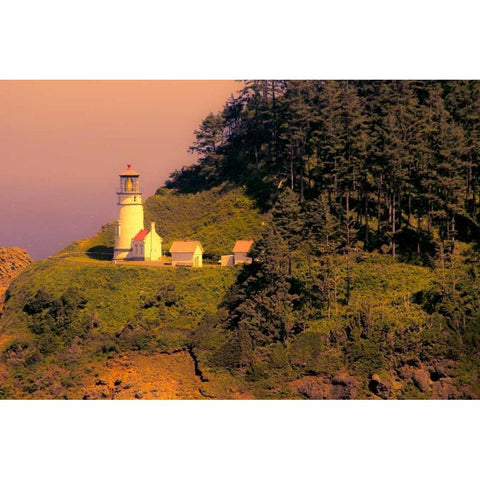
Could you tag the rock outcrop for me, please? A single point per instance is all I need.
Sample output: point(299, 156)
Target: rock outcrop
point(12, 262)
point(421, 379)
point(342, 387)
point(380, 387)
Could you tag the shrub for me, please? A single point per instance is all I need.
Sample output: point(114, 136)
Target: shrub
point(41, 301)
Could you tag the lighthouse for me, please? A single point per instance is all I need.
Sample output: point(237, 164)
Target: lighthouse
point(132, 242)
point(130, 217)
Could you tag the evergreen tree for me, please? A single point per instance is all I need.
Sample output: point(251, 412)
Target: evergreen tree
point(289, 221)
point(264, 304)
point(209, 139)
point(322, 241)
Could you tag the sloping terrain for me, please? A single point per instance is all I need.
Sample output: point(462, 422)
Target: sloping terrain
point(68, 322)
point(88, 329)
point(78, 327)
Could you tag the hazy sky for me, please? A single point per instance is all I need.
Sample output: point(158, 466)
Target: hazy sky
point(63, 143)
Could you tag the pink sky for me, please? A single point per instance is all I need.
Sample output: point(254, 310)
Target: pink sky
point(62, 144)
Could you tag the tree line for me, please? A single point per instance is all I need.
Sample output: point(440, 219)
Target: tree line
point(388, 161)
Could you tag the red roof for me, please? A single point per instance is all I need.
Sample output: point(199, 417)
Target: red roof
point(141, 235)
point(187, 246)
point(129, 172)
point(242, 246)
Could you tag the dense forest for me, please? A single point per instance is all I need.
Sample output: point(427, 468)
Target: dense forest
point(395, 157)
point(348, 172)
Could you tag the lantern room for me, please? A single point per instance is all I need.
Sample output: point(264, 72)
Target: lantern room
point(129, 182)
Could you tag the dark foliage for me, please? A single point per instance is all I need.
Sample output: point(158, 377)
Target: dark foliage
point(344, 167)
point(394, 155)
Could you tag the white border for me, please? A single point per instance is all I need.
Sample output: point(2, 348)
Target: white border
point(239, 440)
point(222, 40)
point(216, 39)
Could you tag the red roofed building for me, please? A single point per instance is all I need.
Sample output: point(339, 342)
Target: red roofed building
point(241, 250)
point(146, 245)
point(140, 236)
point(187, 253)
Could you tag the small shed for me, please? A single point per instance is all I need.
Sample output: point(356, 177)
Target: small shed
point(187, 252)
point(241, 250)
point(226, 260)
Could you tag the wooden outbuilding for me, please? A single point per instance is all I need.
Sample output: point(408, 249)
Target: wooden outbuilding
point(187, 253)
point(241, 250)
point(226, 260)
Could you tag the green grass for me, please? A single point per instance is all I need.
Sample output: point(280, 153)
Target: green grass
point(117, 295)
point(128, 309)
point(103, 239)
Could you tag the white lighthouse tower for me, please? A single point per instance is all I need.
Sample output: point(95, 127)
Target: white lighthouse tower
point(130, 218)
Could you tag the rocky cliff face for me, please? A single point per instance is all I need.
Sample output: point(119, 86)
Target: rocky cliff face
point(12, 262)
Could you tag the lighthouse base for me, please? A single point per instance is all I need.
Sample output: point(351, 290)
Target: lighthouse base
point(122, 254)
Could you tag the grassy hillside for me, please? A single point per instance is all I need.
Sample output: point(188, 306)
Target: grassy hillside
point(99, 246)
point(84, 328)
point(382, 292)
point(66, 313)
point(78, 316)
point(216, 217)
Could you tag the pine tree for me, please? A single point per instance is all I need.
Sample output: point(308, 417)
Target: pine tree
point(329, 145)
point(390, 156)
point(296, 134)
point(209, 138)
point(264, 304)
point(442, 185)
point(289, 221)
point(322, 232)
point(354, 140)
point(321, 227)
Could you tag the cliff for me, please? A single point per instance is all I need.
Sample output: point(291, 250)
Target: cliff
point(13, 261)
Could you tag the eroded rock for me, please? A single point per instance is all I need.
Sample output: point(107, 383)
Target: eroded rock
point(344, 387)
point(13, 261)
point(314, 388)
point(380, 386)
point(421, 379)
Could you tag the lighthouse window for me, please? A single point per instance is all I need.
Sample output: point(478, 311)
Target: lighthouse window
point(129, 185)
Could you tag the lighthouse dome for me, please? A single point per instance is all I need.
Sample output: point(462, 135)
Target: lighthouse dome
point(129, 172)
